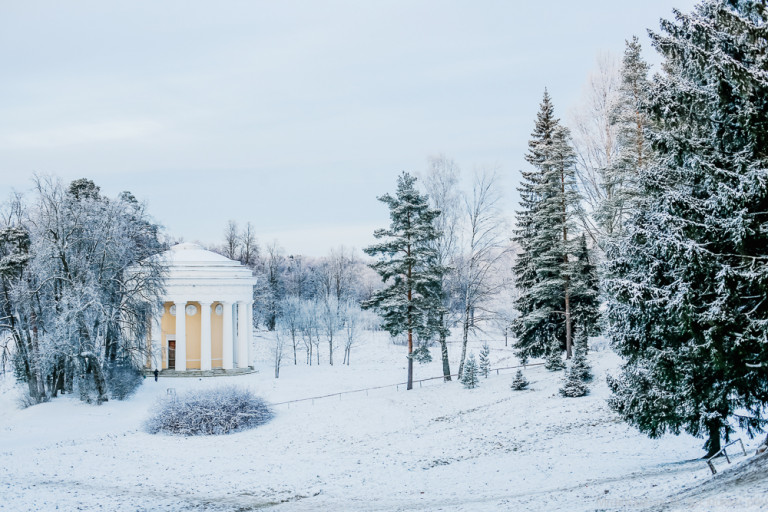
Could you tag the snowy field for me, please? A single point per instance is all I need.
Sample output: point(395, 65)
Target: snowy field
point(438, 447)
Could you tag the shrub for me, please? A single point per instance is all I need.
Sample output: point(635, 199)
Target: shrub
point(469, 375)
point(209, 412)
point(519, 382)
point(573, 386)
point(123, 379)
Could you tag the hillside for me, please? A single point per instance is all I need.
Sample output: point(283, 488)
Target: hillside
point(438, 447)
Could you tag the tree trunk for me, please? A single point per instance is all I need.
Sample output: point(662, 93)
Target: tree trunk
point(100, 380)
point(410, 359)
point(330, 351)
point(444, 355)
point(568, 332)
point(464, 340)
point(713, 443)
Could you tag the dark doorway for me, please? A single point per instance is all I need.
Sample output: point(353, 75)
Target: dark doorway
point(171, 354)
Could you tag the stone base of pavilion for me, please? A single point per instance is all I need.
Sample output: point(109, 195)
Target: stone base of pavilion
point(216, 372)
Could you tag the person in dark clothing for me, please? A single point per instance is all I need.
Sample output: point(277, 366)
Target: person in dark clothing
point(157, 372)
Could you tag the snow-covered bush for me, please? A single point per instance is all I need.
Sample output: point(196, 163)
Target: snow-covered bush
point(209, 412)
point(519, 382)
point(123, 379)
point(469, 376)
point(573, 386)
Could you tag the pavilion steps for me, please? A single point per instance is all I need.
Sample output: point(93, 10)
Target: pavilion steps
point(216, 372)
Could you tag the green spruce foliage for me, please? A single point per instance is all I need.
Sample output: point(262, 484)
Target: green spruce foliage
point(688, 280)
point(545, 234)
point(485, 360)
point(469, 377)
point(579, 364)
point(620, 179)
point(411, 301)
point(573, 385)
point(519, 382)
point(554, 360)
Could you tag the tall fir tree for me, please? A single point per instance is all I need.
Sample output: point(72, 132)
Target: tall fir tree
point(632, 153)
point(545, 234)
point(688, 280)
point(585, 291)
point(411, 302)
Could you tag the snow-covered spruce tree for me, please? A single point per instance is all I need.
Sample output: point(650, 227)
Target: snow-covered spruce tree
point(519, 382)
point(585, 291)
point(469, 378)
point(579, 364)
point(544, 233)
point(485, 360)
point(688, 280)
point(411, 301)
point(573, 385)
point(632, 150)
point(554, 357)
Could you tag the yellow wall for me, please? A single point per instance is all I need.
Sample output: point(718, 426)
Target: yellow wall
point(193, 338)
point(217, 326)
point(167, 326)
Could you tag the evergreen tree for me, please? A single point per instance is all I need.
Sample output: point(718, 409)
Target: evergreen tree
point(579, 365)
point(573, 384)
point(554, 359)
point(469, 377)
point(519, 382)
point(688, 280)
point(585, 291)
point(544, 234)
point(485, 360)
point(412, 300)
point(632, 153)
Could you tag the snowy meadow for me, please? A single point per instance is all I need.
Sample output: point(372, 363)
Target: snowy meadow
point(436, 447)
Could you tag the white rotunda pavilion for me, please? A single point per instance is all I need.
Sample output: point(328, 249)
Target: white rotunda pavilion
point(206, 322)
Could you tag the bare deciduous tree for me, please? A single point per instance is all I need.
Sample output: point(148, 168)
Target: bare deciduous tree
point(485, 247)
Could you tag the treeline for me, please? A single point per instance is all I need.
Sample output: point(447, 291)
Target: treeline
point(78, 286)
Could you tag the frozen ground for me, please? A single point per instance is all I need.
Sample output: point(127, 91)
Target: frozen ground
point(438, 447)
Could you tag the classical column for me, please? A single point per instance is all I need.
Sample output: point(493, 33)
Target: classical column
point(156, 343)
point(181, 335)
point(227, 340)
point(205, 335)
point(249, 333)
point(244, 325)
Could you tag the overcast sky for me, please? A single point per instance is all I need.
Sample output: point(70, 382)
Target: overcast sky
point(291, 115)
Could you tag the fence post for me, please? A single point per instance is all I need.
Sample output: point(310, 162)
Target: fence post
point(742, 446)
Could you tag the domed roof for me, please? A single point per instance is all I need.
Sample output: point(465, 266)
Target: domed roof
point(194, 255)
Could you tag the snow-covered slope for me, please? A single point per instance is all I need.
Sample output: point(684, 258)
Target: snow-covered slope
point(437, 447)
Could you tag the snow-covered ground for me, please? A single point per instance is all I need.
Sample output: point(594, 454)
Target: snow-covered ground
point(437, 447)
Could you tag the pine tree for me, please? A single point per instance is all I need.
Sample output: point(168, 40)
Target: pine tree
point(485, 360)
point(554, 360)
point(411, 302)
point(469, 377)
point(519, 382)
point(573, 385)
point(544, 234)
point(688, 280)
